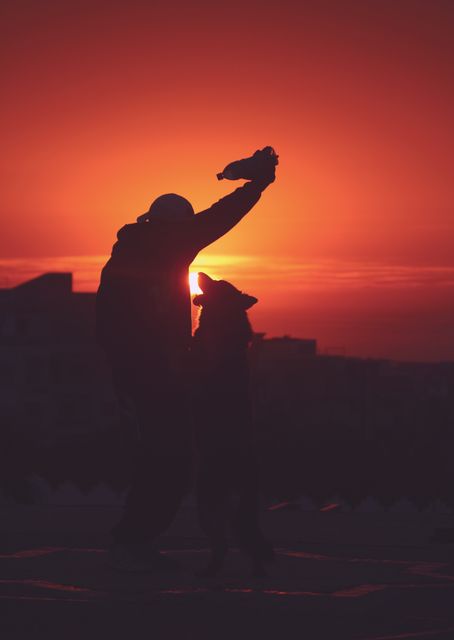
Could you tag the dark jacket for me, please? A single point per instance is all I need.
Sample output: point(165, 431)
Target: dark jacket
point(143, 301)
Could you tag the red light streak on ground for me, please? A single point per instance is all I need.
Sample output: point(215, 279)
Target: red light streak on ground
point(44, 551)
point(280, 505)
point(45, 599)
point(429, 570)
point(359, 591)
point(31, 553)
point(414, 568)
point(45, 584)
point(330, 507)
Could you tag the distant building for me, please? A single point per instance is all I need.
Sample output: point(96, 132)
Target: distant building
point(54, 382)
point(286, 348)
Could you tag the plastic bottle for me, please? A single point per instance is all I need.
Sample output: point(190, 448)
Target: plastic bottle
point(250, 168)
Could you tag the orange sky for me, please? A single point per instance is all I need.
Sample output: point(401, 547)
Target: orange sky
point(107, 104)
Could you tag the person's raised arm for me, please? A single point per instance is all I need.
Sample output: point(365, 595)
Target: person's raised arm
point(209, 225)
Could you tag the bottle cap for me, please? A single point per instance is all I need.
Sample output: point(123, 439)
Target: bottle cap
point(220, 176)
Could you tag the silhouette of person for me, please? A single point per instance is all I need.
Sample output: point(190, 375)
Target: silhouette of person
point(143, 323)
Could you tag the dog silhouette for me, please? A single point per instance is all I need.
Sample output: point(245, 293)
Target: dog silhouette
point(227, 474)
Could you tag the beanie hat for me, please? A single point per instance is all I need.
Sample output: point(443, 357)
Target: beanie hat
point(169, 206)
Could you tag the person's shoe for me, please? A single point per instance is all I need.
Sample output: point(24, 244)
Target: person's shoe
point(139, 558)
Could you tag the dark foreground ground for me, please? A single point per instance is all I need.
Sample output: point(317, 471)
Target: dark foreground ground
point(337, 576)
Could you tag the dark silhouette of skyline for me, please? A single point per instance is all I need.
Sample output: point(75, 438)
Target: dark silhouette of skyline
point(61, 421)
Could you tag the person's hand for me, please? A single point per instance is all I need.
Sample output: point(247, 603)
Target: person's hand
point(268, 162)
point(267, 173)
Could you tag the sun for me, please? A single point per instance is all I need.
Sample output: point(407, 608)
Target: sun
point(193, 284)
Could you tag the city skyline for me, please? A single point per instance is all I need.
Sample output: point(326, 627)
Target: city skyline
point(384, 331)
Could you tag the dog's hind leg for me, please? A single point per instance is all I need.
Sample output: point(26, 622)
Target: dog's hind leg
point(212, 504)
point(246, 526)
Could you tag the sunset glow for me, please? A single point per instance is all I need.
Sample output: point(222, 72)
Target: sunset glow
point(194, 284)
point(105, 106)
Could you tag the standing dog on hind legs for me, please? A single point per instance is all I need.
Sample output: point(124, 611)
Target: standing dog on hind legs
point(227, 468)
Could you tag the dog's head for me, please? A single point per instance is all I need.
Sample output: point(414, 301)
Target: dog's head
point(221, 295)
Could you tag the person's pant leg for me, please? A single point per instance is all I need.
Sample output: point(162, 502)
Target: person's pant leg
point(157, 490)
point(163, 461)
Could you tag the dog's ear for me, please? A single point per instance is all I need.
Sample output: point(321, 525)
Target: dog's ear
point(198, 300)
point(204, 281)
point(248, 301)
